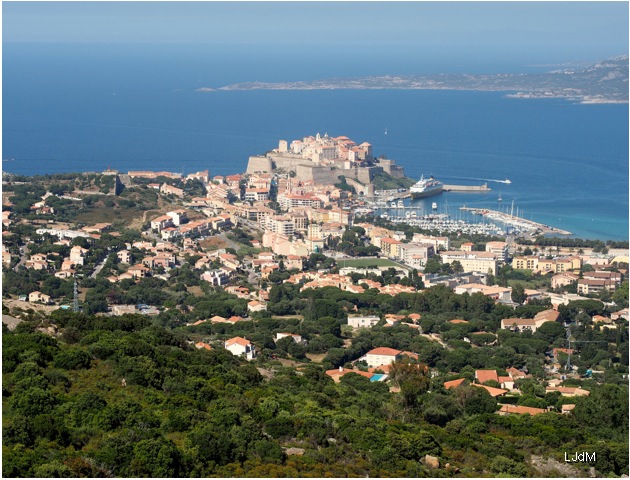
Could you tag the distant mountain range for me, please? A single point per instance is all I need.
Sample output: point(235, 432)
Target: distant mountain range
point(603, 82)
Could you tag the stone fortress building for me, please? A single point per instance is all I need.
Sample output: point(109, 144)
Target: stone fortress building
point(322, 159)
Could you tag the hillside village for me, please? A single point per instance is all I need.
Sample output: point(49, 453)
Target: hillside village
point(284, 274)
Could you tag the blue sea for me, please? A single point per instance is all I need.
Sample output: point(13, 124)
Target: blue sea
point(73, 108)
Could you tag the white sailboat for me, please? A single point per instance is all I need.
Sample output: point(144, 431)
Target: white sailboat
point(385, 130)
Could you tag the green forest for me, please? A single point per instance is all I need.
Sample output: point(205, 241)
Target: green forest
point(125, 397)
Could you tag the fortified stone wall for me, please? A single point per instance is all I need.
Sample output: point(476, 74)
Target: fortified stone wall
point(390, 167)
point(366, 190)
point(397, 172)
point(259, 164)
point(366, 174)
point(324, 175)
point(287, 161)
point(307, 171)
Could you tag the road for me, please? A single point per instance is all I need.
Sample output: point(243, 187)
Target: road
point(23, 253)
point(231, 244)
point(99, 267)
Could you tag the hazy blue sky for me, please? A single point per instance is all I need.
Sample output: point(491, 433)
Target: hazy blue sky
point(571, 30)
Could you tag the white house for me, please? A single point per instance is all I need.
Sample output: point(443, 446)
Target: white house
point(382, 356)
point(256, 306)
point(241, 347)
point(363, 321)
point(296, 338)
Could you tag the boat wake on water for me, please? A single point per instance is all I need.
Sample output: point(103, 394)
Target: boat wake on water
point(507, 180)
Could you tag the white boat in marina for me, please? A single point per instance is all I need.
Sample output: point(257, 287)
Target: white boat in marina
point(434, 206)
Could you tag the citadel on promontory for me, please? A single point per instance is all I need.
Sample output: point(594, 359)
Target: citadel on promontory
point(323, 159)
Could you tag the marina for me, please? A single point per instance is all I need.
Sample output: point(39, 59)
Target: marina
point(533, 228)
point(474, 220)
point(443, 224)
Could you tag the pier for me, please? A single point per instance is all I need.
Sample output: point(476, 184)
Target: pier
point(508, 219)
point(467, 188)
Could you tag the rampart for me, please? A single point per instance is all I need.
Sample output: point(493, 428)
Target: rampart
point(259, 164)
point(390, 167)
point(305, 170)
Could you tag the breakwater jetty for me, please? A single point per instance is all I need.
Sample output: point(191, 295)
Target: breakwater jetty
point(467, 188)
point(533, 228)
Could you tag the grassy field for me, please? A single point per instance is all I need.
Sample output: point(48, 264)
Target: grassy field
point(366, 262)
point(131, 217)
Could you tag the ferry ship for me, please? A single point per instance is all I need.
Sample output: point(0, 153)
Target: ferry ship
point(426, 187)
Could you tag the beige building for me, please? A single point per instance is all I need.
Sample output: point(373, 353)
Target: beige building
point(439, 243)
point(595, 282)
point(390, 247)
point(415, 254)
point(467, 247)
point(483, 262)
point(382, 356)
point(544, 265)
point(500, 294)
point(562, 279)
point(38, 296)
point(280, 224)
point(500, 249)
point(77, 255)
point(170, 190)
point(124, 256)
point(257, 194)
point(363, 321)
point(532, 324)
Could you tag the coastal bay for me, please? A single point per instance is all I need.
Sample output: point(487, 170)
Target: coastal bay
point(567, 161)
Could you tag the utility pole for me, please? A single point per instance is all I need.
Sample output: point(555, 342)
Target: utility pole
point(75, 306)
point(568, 365)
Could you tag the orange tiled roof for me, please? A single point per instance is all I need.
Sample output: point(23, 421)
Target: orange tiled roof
point(495, 392)
point(384, 351)
point(454, 383)
point(485, 375)
point(238, 340)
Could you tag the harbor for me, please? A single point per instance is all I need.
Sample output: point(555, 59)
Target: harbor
point(426, 214)
point(519, 223)
point(391, 205)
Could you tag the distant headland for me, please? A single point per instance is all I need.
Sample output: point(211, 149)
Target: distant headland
point(603, 82)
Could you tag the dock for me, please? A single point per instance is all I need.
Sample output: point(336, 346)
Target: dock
point(537, 228)
point(467, 188)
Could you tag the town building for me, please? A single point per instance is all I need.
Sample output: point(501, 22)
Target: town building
point(363, 321)
point(484, 262)
point(239, 346)
point(380, 356)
